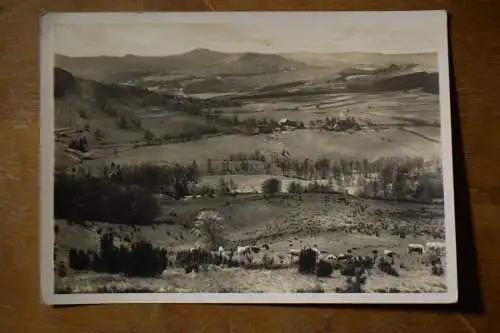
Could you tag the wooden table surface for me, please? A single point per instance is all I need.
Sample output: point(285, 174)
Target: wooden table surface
point(475, 38)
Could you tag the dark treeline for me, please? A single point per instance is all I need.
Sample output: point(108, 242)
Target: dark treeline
point(155, 178)
point(80, 197)
point(141, 259)
point(336, 124)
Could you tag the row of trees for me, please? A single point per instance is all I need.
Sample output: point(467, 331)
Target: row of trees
point(140, 260)
point(322, 168)
point(336, 124)
point(387, 177)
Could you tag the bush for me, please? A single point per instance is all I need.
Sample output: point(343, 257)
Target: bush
point(324, 269)
point(295, 187)
point(271, 186)
point(144, 260)
point(61, 270)
point(316, 289)
point(188, 258)
point(433, 259)
point(437, 270)
point(348, 269)
point(386, 267)
point(267, 261)
point(355, 283)
point(79, 260)
point(307, 261)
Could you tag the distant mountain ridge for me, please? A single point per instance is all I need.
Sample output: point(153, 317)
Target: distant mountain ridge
point(210, 64)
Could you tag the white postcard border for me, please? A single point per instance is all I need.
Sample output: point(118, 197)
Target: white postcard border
point(47, 22)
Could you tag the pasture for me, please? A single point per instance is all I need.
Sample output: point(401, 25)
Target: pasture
point(301, 144)
point(283, 223)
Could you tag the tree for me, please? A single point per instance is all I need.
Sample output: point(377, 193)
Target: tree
point(210, 169)
point(148, 136)
point(271, 186)
point(295, 187)
point(209, 226)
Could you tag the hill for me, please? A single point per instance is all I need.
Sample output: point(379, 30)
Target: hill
point(112, 116)
point(428, 82)
point(210, 63)
point(346, 59)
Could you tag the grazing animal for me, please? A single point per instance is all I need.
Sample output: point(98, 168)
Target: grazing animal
point(417, 248)
point(265, 246)
point(244, 251)
point(388, 253)
point(437, 247)
point(342, 256)
point(331, 257)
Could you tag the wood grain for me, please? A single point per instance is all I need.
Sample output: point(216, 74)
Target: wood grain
point(475, 27)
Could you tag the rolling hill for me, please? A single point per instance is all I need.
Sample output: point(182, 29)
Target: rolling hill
point(198, 62)
point(375, 60)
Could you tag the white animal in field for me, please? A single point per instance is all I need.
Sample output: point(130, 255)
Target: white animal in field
point(388, 253)
point(438, 247)
point(417, 248)
point(242, 249)
point(341, 256)
point(331, 257)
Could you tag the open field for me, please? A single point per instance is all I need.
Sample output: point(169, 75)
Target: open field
point(282, 224)
point(301, 144)
point(240, 280)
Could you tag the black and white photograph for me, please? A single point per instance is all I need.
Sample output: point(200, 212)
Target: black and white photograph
point(246, 157)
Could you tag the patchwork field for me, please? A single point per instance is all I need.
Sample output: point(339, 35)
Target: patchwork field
point(301, 144)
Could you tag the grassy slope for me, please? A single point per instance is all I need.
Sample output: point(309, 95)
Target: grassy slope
point(301, 144)
point(279, 223)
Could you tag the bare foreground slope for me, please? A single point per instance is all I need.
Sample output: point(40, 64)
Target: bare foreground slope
point(215, 172)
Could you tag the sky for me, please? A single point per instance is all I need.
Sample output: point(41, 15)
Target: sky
point(322, 35)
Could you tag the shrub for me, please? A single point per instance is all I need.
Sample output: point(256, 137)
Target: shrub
point(267, 261)
point(355, 283)
point(324, 269)
point(307, 261)
point(144, 261)
point(206, 190)
point(316, 289)
point(61, 270)
point(348, 269)
point(295, 187)
point(386, 267)
point(271, 186)
point(437, 270)
point(79, 260)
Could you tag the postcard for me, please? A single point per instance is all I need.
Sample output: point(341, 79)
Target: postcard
point(246, 157)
